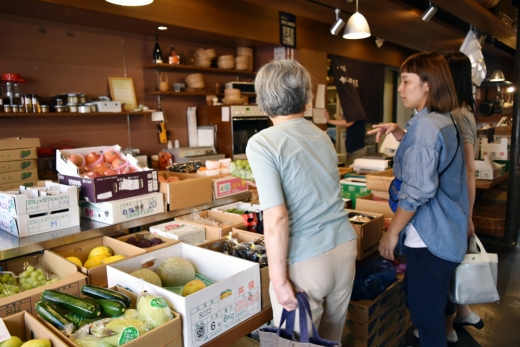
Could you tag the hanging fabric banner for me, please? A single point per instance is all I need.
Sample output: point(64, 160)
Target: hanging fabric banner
point(287, 30)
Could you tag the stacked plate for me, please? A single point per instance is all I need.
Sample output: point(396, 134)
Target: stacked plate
point(232, 97)
point(247, 52)
point(195, 81)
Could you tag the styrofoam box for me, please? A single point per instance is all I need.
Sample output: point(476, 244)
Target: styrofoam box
point(46, 197)
point(118, 211)
point(204, 314)
point(106, 188)
point(26, 225)
point(496, 151)
point(240, 205)
point(177, 230)
point(487, 169)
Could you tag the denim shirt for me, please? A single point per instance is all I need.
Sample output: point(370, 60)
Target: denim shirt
point(440, 201)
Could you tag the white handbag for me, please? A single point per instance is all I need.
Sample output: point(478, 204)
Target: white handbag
point(475, 279)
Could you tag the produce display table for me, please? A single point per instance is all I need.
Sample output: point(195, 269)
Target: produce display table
point(487, 184)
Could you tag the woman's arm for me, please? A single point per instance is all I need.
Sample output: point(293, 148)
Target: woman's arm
point(276, 234)
point(390, 238)
point(387, 128)
point(469, 156)
point(339, 123)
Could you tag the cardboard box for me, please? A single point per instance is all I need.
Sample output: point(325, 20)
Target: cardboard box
point(228, 221)
point(178, 230)
point(496, 151)
point(18, 176)
point(353, 188)
point(148, 236)
point(96, 275)
point(228, 185)
point(27, 225)
point(16, 185)
point(240, 205)
point(366, 310)
point(393, 312)
point(205, 314)
point(19, 142)
point(168, 334)
point(18, 154)
point(243, 236)
point(19, 165)
point(106, 188)
point(369, 234)
point(27, 327)
point(504, 130)
point(45, 197)
point(70, 281)
point(384, 336)
point(487, 169)
point(119, 211)
point(367, 203)
point(192, 190)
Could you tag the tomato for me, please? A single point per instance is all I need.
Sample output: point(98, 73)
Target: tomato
point(111, 155)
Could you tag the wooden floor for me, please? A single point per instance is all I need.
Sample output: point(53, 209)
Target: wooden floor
point(502, 319)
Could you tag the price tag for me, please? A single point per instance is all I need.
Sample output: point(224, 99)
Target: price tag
point(4, 333)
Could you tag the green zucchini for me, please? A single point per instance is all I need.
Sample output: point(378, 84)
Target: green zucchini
point(104, 293)
point(84, 307)
point(112, 308)
point(79, 320)
point(49, 313)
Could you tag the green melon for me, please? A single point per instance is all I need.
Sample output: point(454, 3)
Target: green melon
point(175, 272)
point(148, 275)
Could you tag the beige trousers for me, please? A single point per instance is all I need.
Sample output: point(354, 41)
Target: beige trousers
point(327, 280)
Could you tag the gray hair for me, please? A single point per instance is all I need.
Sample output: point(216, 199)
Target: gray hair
point(283, 88)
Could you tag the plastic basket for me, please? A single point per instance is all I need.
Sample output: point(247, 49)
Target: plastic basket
point(489, 218)
point(380, 180)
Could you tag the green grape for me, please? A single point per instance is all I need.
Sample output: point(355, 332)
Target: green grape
point(29, 280)
point(54, 280)
point(16, 290)
point(36, 284)
point(42, 278)
point(42, 283)
point(30, 268)
point(22, 281)
point(3, 296)
point(34, 274)
point(39, 270)
point(24, 274)
point(27, 285)
point(48, 282)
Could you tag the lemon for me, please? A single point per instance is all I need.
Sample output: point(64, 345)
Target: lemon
point(112, 259)
point(94, 261)
point(100, 250)
point(74, 260)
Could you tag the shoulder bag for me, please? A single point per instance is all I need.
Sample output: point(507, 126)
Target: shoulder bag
point(395, 185)
point(278, 337)
point(475, 279)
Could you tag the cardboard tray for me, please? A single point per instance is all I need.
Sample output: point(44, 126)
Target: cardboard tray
point(148, 236)
point(191, 190)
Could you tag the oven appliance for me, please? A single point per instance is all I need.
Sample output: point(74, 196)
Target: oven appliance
point(234, 126)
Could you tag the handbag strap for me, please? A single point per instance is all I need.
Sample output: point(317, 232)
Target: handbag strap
point(458, 143)
point(305, 309)
point(288, 317)
point(479, 244)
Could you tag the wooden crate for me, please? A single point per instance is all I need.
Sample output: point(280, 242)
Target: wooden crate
point(380, 181)
point(489, 218)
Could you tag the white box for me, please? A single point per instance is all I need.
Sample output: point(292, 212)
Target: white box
point(25, 225)
point(496, 151)
point(204, 314)
point(240, 205)
point(487, 169)
point(108, 106)
point(46, 197)
point(189, 233)
point(118, 211)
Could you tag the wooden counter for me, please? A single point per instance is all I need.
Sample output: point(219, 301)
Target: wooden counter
point(487, 184)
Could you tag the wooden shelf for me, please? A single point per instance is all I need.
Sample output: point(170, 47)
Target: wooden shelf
point(180, 94)
point(70, 114)
point(170, 67)
point(488, 184)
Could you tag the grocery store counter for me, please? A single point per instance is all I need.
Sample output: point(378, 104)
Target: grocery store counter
point(12, 246)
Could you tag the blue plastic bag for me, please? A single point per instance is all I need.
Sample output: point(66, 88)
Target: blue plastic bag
point(372, 279)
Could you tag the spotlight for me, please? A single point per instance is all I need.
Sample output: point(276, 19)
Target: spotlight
point(162, 27)
point(336, 28)
point(429, 13)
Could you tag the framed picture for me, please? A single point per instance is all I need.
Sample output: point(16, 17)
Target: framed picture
point(122, 90)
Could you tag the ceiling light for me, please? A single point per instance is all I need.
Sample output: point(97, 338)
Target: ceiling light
point(357, 26)
point(497, 76)
point(429, 13)
point(161, 27)
point(131, 2)
point(338, 24)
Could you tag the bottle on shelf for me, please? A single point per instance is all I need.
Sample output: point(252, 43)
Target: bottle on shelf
point(174, 58)
point(157, 53)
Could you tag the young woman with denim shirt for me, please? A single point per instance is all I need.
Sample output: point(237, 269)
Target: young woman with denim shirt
point(431, 220)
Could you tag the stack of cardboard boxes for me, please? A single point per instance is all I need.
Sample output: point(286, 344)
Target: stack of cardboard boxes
point(18, 162)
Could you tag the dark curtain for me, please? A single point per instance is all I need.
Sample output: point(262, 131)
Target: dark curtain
point(360, 88)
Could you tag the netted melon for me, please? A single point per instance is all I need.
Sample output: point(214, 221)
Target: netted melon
point(148, 275)
point(175, 272)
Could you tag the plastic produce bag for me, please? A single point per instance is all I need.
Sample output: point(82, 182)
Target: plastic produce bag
point(153, 310)
point(372, 279)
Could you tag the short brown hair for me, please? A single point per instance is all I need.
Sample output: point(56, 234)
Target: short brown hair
point(431, 67)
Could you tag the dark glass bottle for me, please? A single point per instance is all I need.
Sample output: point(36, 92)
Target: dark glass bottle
point(157, 53)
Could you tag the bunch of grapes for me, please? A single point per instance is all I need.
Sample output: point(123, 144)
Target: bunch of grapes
point(33, 278)
point(8, 285)
point(241, 169)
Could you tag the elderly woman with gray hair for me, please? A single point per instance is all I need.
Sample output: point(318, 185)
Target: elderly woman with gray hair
point(310, 243)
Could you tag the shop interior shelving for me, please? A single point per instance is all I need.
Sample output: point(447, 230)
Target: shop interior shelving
point(70, 114)
point(192, 68)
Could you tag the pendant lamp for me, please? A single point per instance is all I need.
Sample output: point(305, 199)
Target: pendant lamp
point(131, 2)
point(497, 76)
point(357, 26)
